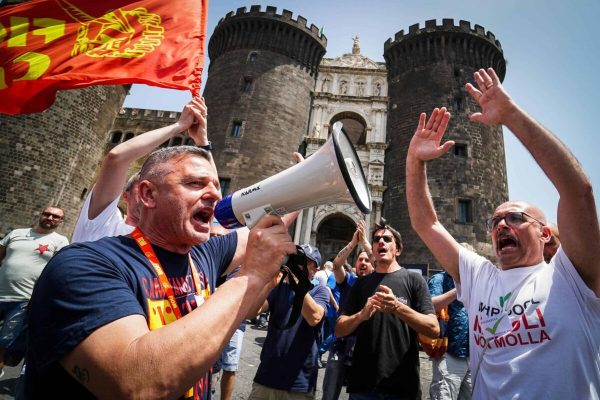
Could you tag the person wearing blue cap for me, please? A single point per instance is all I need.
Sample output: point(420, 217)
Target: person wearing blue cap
point(288, 362)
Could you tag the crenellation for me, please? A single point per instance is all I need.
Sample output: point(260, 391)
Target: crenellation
point(448, 23)
point(286, 14)
point(413, 28)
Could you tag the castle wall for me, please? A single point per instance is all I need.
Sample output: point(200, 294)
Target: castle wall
point(49, 158)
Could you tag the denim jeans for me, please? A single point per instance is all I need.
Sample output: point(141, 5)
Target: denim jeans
point(335, 372)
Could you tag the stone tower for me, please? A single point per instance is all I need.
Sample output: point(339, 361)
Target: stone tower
point(50, 158)
point(262, 72)
point(427, 68)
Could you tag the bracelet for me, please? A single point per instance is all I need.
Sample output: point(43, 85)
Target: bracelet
point(208, 147)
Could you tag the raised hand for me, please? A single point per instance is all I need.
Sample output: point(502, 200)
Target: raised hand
point(495, 103)
point(197, 129)
point(425, 144)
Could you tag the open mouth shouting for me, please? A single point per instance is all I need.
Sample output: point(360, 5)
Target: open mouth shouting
point(204, 215)
point(506, 242)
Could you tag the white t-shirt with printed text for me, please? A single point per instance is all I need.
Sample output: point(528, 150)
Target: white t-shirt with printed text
point(534, 332)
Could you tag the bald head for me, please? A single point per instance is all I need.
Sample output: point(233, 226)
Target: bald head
point(520, 205)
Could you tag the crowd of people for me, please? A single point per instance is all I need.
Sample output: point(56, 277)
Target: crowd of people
point(131, 308)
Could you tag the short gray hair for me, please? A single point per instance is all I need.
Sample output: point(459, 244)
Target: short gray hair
point(133, 179)
point(154, 168)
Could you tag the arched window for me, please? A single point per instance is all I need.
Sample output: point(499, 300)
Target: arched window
point(354, 125)
point(128, 135)
point(333, 234)
point(116, 136)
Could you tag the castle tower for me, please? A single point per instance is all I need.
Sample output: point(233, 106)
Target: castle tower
point(427, 68)
point(50, 158)
point(258, 92)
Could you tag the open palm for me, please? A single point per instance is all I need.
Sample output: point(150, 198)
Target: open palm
point(425, 144)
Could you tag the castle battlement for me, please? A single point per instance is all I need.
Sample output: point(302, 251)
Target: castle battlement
point(267, 30)
point(147, 114)
point(447, 43)
point(446, 26)
point(271, 12)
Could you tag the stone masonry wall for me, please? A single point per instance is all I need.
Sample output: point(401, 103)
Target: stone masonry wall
point(49, 158)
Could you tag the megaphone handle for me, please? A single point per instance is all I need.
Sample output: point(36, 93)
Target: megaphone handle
point(251, 217)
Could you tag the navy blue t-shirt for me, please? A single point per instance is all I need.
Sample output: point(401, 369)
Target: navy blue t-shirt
point(288, 360)
point(88, 285)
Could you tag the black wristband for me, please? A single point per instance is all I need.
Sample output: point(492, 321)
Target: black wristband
point(208, 147)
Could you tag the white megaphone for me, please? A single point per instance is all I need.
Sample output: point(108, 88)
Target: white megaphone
point(333, 174)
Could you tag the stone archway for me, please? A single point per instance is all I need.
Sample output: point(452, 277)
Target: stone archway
point(354, 125)
point(333, 233)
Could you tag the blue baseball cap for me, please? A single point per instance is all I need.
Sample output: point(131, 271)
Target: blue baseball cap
point(312, 253)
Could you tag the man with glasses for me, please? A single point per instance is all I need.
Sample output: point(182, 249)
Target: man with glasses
point(386, 310)
point(534, 327)
point(23, 255)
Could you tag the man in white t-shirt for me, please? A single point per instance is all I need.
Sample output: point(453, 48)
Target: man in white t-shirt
point(99, 216)
point(534, 327)
point(23, 255)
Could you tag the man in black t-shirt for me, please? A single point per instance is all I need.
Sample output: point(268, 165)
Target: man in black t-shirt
point(386, 310)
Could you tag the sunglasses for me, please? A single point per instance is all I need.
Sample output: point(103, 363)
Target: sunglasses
point(386, 239)
point(51, 215)
point(512, 219)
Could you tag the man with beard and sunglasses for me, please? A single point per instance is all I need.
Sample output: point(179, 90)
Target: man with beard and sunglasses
point(386, 310)
point(534, 326)
point(23, 255)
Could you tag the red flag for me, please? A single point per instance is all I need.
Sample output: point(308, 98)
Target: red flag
point(49, 45)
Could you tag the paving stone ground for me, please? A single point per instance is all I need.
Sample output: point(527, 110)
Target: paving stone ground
point(249, 360)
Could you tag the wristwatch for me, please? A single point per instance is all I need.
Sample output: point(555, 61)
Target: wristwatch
point(208, 147)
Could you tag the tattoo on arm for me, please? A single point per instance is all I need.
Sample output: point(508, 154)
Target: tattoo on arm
point(345, 251)
point(81, 374)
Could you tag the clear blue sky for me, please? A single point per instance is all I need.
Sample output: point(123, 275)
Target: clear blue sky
point(553, 63)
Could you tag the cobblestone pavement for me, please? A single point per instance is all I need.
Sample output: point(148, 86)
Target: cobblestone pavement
point(249, 360)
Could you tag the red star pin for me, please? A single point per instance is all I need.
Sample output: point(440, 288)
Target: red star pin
point(42, 248)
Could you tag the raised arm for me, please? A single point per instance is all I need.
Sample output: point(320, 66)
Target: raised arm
point(113, 172)
point(577, 215)
point(340, 259)
point(425, 146)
